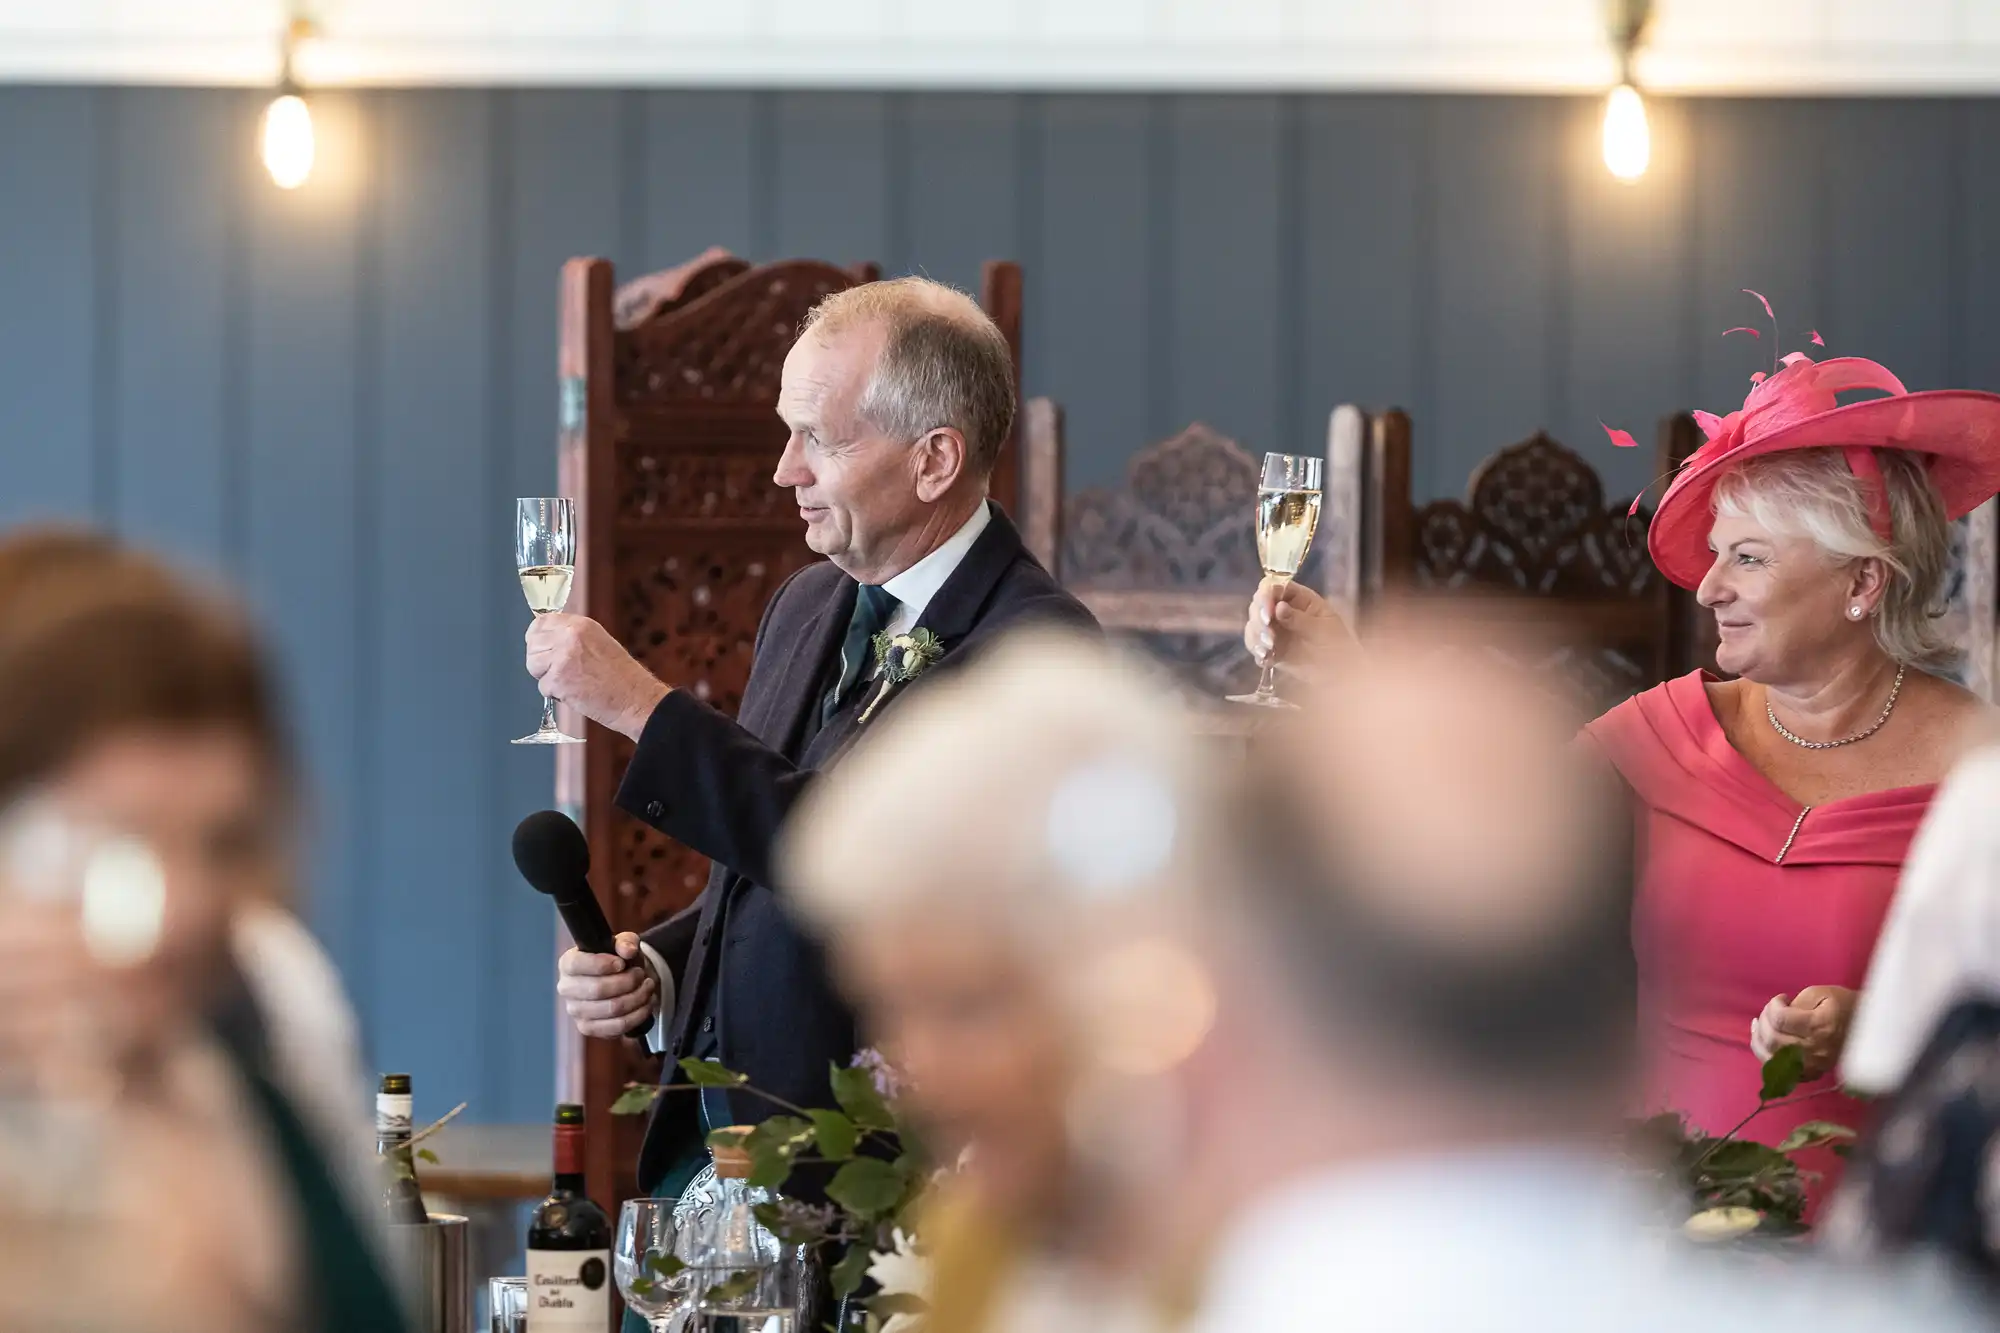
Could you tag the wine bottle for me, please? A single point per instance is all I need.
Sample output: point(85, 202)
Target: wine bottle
point(569, 1244)
point(402, 1197)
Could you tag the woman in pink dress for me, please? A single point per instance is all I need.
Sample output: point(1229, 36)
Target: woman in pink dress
point(1776, 808)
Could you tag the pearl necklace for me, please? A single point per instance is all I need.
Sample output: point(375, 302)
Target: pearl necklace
point(1887, 709)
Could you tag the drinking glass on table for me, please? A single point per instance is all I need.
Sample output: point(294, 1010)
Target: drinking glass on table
point(1287, 516)
point(507, 1304)
point(545, 555)
point(646, 1265)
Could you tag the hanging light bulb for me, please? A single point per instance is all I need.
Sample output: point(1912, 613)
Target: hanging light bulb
point(288, 124)
point(288, 140)
point(1628, 140)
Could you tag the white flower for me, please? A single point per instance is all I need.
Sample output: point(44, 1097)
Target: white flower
point(1718, 1224)
point(902, 1272)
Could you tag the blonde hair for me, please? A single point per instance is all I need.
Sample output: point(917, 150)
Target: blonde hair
point(1074, 780)
point(1813, 493)
point(945, 363)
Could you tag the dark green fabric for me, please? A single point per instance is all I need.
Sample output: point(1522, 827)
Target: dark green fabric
point(873, 609)
point(346, 1288)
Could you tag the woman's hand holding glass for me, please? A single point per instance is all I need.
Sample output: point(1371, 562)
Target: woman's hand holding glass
point(112, 1116)
point(1294, 625)
point(85, 991)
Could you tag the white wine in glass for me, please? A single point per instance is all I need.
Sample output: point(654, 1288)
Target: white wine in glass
point(547, 587)
point(545, 556)
point(1287, 516)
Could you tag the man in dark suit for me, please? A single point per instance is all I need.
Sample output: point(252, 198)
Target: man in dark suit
point(898, 396)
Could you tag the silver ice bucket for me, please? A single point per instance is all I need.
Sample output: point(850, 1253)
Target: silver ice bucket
point(432, 1264)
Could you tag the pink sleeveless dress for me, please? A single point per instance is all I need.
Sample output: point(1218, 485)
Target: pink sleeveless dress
point(1743, 894)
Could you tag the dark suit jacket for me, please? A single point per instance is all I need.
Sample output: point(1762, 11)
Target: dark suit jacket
point(748, 977)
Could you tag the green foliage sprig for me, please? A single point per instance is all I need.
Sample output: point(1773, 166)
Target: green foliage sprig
point(877, 1176)
point(1738, 1186)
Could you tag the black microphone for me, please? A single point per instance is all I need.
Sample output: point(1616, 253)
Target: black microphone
point(552, 854)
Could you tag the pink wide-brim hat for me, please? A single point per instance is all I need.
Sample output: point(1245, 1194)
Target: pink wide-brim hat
point(1797, 408)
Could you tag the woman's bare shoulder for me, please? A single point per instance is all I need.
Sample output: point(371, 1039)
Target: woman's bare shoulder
point(1955, 717)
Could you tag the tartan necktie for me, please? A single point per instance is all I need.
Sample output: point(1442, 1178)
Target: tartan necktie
point(873, 608)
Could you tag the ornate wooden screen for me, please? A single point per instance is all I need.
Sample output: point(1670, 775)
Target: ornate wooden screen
point(669, 438)
point(1169, 559)
point(1534, 544)
point(1365, 516)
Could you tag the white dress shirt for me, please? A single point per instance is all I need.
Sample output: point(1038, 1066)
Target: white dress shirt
point(913, 590)
point(915, 586)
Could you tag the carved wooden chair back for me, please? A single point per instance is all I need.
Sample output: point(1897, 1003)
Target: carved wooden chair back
point(1169, 559)
point(1535, 546)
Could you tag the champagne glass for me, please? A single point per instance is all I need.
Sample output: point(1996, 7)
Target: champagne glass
point(545, 554)
point(1287, 516)
point(57, 1093)
point(646, 1240)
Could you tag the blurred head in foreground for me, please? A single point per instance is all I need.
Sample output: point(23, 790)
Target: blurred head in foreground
point(1423, 940)
point(993, 835)
point(143, 769)
point(145, 793)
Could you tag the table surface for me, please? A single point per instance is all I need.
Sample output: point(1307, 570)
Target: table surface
point(496, 1162)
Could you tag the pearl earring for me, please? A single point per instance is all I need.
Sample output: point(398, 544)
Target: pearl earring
point(1854, 613)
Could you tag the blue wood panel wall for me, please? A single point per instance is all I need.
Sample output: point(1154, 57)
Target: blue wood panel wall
point(332, 397)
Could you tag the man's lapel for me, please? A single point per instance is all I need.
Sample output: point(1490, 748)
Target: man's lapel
point(795, 699)
point(779, 716)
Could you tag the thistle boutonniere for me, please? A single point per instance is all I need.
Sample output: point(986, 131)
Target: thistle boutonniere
point(900, 659)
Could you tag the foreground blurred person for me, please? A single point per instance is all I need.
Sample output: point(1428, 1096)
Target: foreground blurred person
point(1927, 1038)
point(1778, 807)
point(1424, 1038)
point(176, 1063)
point(1056, 830)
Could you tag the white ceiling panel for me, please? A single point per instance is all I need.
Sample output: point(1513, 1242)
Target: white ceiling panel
point(1696, 46)
point(1057, 21)
point(1910, 23)
point(966, 20)
point(1232, 21)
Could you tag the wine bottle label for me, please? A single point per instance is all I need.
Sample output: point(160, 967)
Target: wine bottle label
point(569, 1291)
point(392, 1112)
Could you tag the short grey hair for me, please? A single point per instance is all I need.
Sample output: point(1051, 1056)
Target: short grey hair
point(1813, 493)
point(944, 363)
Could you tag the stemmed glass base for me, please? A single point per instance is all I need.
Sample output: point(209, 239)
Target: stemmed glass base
point(548, 733)
point(1267, 681)
point(1267, 692)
